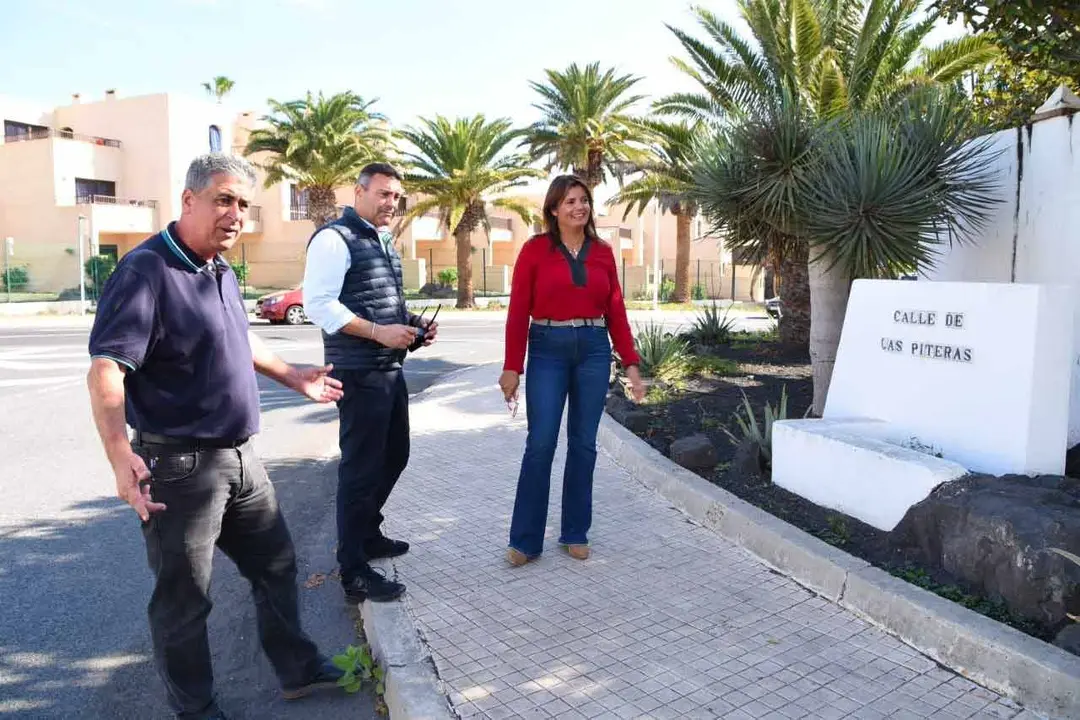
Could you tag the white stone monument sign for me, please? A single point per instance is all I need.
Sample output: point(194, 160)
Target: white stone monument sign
point(933, 379)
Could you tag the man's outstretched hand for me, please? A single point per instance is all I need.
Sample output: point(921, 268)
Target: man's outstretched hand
point(316, 383)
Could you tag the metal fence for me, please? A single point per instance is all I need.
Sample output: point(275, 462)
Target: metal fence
point(50, 273)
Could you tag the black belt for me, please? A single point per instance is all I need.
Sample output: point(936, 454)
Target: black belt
point(195, 443)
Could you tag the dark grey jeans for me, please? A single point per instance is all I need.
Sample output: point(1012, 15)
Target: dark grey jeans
point(218, 498)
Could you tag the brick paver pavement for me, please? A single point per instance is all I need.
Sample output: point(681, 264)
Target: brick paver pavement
point(667, 619)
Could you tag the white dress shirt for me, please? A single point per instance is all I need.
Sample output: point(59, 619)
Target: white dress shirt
point(328, 259)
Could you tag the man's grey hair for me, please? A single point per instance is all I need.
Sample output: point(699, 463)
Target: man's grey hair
point(378, 168)
point(203, 168)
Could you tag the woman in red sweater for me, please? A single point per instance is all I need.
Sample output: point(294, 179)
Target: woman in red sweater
point(566, 281)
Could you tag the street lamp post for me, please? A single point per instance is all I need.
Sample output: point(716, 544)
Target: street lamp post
point(656, 257)
point(9, 249)
point(82, 267)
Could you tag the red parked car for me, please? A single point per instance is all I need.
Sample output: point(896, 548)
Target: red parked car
point(286, 307)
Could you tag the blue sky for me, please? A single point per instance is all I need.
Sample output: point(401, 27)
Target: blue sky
point(418, 57)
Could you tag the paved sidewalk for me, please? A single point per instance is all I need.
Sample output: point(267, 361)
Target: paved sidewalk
point(666, 620)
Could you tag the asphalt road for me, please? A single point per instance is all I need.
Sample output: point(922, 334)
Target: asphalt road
point(74, 583)
point(73, 577)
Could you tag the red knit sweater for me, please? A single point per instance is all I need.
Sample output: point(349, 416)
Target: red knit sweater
point(543, 288)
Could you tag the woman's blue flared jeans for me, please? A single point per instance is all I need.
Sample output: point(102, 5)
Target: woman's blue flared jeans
point(564, 363)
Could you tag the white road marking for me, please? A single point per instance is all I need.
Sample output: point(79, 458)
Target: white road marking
point(30, 382)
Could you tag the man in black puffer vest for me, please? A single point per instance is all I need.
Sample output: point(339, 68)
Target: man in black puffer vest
point(352, 290)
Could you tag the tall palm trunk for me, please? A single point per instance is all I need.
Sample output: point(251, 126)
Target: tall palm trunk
point(681, 293)
point(794, 325)
point(463, 241)
point(593, 171)
point(322, 205)
point(829, 291)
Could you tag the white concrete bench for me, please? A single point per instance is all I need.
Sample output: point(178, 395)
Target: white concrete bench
point(856, 466)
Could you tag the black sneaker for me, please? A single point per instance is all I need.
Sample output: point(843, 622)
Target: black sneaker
point(372, 585)
point(384, 547)
point(325, 678)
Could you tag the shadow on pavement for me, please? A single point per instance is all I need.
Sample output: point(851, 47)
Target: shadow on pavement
point(420, 373)
point(75, 640)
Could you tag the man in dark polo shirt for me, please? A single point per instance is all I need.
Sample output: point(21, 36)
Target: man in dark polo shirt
point(353, 291)
point(173, 358)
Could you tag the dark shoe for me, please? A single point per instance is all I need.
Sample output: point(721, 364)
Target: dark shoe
point(384, 547)
point(325, 678)
point(374, 586)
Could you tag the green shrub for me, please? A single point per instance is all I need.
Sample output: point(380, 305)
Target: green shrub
point(448, 277)
point(241, 270)
point(667, 287)
point(98, 269)
point(18, 276)
point(664, 356)
point(713, 366)
point(713, 326)
point(697, 292)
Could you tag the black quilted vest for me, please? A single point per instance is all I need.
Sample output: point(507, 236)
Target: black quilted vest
point(371, 290)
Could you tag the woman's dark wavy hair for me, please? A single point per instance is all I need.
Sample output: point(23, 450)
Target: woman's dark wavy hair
point(558, 189)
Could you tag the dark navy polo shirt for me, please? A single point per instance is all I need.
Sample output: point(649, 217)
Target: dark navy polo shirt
point(179, 325)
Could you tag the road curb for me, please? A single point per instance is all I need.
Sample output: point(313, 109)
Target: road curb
point(413, 689)
point(1043, 678)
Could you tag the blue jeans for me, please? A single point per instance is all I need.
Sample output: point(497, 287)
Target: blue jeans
point(564, 362)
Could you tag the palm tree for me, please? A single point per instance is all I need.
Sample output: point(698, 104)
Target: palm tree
point(584, 125)
point(219, 87)
point(831, 56)
point(667, 177)
point(320, 144)
point(812, 62)
point(461, 168)
point(871, 195)
point(748, 181)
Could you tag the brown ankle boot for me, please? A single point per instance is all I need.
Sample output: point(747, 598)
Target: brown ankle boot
point(516, 557)
point(578, 552)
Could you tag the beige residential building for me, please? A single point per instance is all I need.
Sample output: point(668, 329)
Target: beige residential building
point(108, 172)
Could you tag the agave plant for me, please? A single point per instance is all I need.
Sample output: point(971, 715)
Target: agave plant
point(751, 431)
point(713, 326)
point(664, 356)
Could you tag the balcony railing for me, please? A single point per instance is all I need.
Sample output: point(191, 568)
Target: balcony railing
point(298, 212)
point(255, 213)
point(41, 134)
point(502, 223)
point(625, 233)
point(110, 200)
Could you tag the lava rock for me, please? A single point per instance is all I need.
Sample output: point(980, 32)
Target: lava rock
point(748, 461)
point(1072, 462)
point(994, 533)
point(1069, 639)
point(695, 452)
point(626, 414)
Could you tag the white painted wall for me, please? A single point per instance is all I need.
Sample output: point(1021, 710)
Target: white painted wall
point(1035, 234)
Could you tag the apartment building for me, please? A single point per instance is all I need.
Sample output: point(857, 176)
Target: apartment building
point(107, 172)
